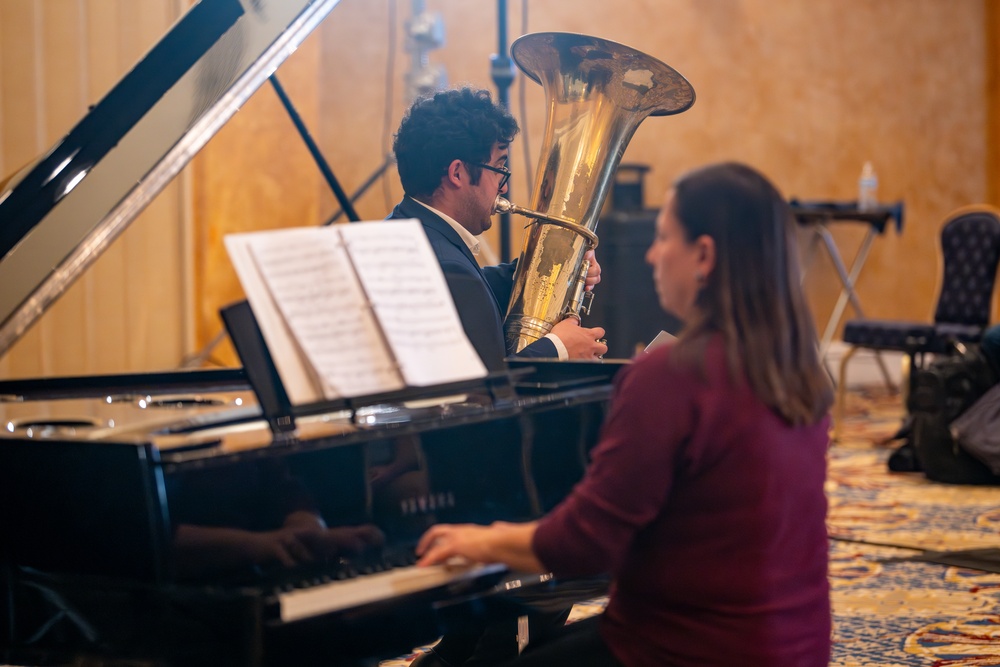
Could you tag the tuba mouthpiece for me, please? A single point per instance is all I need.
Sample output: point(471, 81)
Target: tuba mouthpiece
point(501, 205)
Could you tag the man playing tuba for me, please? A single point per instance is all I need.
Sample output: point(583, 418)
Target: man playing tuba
point(451, 153)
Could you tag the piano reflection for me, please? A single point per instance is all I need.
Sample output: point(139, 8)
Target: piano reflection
point(197, 517)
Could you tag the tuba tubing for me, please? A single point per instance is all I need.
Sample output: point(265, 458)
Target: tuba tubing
point(501, 205)
point(597, 92)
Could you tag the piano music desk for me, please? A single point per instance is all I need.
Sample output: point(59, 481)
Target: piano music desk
point(816, 217)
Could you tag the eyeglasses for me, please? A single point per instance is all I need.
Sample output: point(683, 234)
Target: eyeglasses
point(504, 171)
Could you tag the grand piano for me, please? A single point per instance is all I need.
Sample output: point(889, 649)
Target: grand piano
point(164, 518)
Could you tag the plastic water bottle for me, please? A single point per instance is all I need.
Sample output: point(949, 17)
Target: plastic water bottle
point(867, 188)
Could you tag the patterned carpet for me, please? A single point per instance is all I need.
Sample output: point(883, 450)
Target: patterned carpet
point(890, 612)
point(895, 613)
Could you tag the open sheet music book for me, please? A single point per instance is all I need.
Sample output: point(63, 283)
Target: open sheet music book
point(353, 309)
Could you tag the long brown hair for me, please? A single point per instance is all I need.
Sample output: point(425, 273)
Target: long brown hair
point(753, 297)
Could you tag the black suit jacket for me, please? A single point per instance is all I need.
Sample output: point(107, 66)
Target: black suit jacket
point(480, 294)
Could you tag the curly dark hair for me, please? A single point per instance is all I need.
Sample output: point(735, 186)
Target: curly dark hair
point(462, 123)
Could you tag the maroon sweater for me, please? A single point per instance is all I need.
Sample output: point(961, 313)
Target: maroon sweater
point(709, 511)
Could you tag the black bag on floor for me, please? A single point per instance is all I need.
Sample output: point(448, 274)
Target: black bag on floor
point(939, 394)
point(977, 430)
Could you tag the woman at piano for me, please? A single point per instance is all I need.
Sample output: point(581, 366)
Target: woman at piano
point(704, 496)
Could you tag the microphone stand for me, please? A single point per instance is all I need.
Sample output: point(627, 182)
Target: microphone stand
point(363, 188)
point(502, 70)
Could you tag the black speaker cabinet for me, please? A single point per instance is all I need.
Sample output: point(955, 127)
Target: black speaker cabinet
point(625, 303)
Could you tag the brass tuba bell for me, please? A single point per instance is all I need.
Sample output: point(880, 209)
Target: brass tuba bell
point(597, 92)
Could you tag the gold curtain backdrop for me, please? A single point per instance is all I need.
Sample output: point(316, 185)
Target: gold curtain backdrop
point(805, 91)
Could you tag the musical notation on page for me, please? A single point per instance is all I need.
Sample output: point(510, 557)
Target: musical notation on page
point(314, 287)
point(404, 284)
point(355, 309)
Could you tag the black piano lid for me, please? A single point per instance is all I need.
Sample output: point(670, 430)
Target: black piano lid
point(68, 207)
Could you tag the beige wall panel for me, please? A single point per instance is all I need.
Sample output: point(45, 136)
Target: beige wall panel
point(20, 137)
point(362, 94)
point(992, 138)
point(153, 285)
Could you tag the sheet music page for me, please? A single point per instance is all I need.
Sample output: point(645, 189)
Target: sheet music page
point(405, 286)
point(661, 338)
point(312, 281)
point(313, 314)
point(301, 384)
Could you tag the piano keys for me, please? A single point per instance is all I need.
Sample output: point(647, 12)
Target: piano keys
point(328, 593)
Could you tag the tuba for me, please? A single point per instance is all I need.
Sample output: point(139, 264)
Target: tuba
point(597, 92)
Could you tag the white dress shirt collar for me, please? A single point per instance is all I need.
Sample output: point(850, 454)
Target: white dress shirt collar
point(471, 241)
